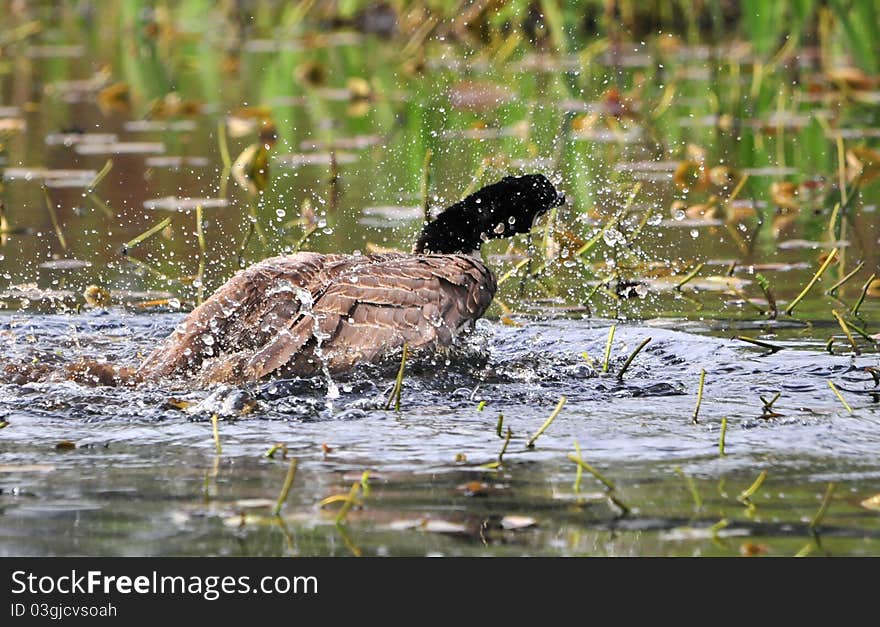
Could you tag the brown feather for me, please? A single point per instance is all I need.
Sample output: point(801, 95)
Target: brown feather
point(264, 320)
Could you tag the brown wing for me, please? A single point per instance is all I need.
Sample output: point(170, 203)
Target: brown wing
point(242, 315)
point(293, 314)
point(371, 309)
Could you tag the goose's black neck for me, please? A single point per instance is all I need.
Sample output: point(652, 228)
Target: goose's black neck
point(502, 209)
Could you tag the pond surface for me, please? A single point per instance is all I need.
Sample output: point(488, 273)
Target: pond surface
point(707, 189)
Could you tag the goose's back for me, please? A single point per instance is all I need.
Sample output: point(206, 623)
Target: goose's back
point(292, 314)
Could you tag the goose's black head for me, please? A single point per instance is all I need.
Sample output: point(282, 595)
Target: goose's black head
point(501, 209)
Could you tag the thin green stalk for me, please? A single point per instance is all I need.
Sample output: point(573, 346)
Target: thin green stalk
point(285, 489)
point(690, 275)
point(695, 418)
point(54, 216)
point(721, 452)
point(127, 246)
point(398, 384)
point(100, 176)
point(692, 487)
point(770, 347)
point(302, 240)
point(504, 446)
point(831, 290)
point(843, 325)
point(855, 309)
point(745, 496)
point(598, 475)
point(349, 502)
point(200, 235)
point(607, 356)
point(840, 396)
point(101, 205)
point(224, 157)
point(631, 357)
point(826, 501)
point(831, 256)
point(547, 423)
point(499, 424)
point(423, 187)
point(579, 473)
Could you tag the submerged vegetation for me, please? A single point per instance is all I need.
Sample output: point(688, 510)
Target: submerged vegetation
point(722, 161)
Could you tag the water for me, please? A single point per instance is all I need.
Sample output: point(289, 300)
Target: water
point(144, 477)
point(649, 145)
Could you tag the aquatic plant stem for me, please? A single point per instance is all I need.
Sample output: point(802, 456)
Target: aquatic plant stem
point(692, 487)
point(826, 501)
point(690, 275)
point(695, 417)
point(770, 347)
point(831, 290)
point(843, 325)
point(349, 502)
point(424, 183)
point(200, 236)
point(746, 495)
point(831, 256)
point(607, 355)
point(598, 475)
point(631, 357)
point(861, 299)
point(840, 396)
point(100, 176)
point(224, 157)
point(285, 488)
point(721, 438)
point(398, 384)
point(127, 246)
point(547, 423)
point(54, 217)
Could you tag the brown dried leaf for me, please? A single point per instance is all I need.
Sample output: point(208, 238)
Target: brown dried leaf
point(115, 97)
point(784, 194)
point(688, 175)
point(475, 488)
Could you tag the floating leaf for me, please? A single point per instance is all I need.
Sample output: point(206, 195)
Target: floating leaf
point(872, 503)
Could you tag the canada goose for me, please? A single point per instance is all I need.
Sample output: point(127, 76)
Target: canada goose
point(298, 314)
